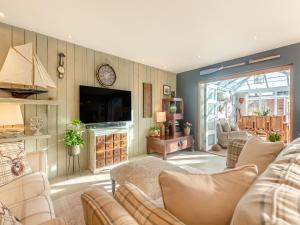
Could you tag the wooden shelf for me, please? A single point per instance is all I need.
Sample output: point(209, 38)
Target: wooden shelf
point(172, 99)
point(25, 137)
point(29, 101)
point(174, 116)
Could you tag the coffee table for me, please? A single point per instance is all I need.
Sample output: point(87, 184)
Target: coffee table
point(144, 173)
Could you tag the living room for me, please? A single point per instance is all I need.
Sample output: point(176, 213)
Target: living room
point(105, 115)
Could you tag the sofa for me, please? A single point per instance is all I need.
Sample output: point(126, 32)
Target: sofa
point(28, 197)
point(226, 133)
point(272, 199)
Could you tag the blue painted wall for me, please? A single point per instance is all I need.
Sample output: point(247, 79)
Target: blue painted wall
point(187, 81)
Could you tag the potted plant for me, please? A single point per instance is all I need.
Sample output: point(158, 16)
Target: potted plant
point(154, 132)
point(274, 136)
point(73, 138)
point(264, 111)
point(187, 126)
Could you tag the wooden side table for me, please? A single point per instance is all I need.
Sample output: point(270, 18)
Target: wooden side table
point(167, 144)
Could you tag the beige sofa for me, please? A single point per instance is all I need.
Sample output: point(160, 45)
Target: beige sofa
point(28, 197)
point(272, 199)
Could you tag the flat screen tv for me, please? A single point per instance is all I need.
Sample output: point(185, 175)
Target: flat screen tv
point(98, 105)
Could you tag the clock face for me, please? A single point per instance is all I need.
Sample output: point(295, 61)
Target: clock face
point(61, 69)
point(106, 75)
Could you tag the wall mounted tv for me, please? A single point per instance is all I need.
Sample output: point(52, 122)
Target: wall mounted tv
point(98, 105)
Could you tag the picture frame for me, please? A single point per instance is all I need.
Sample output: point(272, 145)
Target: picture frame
point(167, 90)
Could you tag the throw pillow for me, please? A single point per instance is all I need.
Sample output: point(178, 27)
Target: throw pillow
point(13, 162)
point(205, 199)
point(259, 152)
point(233, 127)
point(6, 217)
point(225, 126)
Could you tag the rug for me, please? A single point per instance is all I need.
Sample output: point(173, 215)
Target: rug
point(222, 152)
point(70, 208)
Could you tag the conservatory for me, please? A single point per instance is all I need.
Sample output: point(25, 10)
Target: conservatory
point(250, 105)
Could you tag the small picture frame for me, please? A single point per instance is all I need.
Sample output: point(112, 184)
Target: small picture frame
point(166, 90)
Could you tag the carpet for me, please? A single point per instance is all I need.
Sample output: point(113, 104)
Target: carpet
point(222, 152)
point(70, 208)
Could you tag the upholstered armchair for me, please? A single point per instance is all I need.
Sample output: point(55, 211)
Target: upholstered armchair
point(226, 133)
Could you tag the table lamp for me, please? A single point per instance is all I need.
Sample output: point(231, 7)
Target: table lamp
point(10, 114)
point(161, 118)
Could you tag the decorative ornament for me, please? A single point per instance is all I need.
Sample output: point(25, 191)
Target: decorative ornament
point(106, 75)
point(60, 68)
point(36, 124)
point(241, 100)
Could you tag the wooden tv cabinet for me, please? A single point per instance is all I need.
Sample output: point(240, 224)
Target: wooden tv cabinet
point(168, 144)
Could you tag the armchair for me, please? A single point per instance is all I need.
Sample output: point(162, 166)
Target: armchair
point(224, 137)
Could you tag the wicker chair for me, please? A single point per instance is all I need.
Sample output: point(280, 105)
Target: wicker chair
point(225, 137)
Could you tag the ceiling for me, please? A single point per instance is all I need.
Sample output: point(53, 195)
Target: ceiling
point(174, 35)
point(268, 82)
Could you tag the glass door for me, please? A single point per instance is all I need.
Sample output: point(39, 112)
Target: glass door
point(211, 115)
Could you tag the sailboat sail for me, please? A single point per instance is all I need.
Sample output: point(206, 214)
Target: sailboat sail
point(22, 66)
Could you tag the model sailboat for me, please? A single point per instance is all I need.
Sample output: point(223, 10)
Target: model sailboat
point(23, 67)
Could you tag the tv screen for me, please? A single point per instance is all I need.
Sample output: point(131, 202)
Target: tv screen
point(98, 105)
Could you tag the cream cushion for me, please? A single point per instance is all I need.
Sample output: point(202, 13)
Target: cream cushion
point(275, 196)
point(27, 187)
point(259, 152)
point(13, 162)
point(36, 210)
point(206, 199)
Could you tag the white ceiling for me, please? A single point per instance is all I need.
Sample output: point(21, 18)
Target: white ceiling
point(175, 35)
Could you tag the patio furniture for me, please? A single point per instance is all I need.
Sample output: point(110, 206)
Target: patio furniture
point(225, 137)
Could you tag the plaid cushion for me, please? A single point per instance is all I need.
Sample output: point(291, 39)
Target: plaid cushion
point(99, 208)
point(13, 162)
point(274, 198)
point(234, 149)
point(6, 217)
point(142, 208)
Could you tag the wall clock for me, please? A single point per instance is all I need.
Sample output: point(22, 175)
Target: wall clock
point(106, 75)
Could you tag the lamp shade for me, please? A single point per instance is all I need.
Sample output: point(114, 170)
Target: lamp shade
point(10, 114)
point(160, 117)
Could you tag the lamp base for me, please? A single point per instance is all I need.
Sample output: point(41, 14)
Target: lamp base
point(162, 129)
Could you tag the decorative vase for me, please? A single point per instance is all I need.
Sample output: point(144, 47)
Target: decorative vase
point(187, 131)
point(173, 107)
point(74, 150)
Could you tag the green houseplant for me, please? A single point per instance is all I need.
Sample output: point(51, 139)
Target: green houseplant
point(154, 132)
point(73, 137)
point(264, 111)
point(274, 136)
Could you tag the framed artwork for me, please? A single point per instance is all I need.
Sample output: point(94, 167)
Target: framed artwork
point(166, 89)
point(147, 100)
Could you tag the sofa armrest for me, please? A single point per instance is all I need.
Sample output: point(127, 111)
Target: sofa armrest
point(56, 221)
point(100, 208)
point(235, 147)
point(142, 208)
point(37, 161)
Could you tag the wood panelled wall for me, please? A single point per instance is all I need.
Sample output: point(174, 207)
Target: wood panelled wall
point(80, 66)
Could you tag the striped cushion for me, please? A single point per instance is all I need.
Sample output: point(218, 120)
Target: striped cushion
point(142, 208)
point(234, 149)
point(99, 208)
point(13, 162)
point(274, 198)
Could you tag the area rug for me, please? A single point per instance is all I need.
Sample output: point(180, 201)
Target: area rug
point(70, 208)
point(222, 152)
